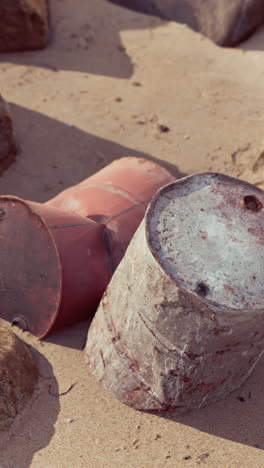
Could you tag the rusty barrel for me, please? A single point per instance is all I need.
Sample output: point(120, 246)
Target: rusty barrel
point(117, 196)
point(54, 265)
point(181, 323)
point(56, 258)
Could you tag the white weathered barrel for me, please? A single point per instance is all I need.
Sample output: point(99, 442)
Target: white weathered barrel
point(182, 321)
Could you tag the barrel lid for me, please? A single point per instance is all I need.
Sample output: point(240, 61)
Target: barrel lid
point(30, 270)
point(207, 233)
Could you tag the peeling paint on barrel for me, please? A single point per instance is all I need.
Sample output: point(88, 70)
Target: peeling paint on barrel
point(181, 322)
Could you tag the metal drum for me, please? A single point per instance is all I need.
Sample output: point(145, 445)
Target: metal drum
point(56, 259)
point(181, 322)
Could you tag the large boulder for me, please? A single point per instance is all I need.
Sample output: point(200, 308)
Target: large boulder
point(226, 22)
point(7, 143)
point(23, 25)
point(18, 375)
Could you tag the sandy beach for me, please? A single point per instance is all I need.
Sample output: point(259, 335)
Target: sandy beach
point(103, 88)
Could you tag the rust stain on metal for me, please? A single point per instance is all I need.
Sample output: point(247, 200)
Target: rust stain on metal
point(252, 203)
point(204, 234)
point(258, 233)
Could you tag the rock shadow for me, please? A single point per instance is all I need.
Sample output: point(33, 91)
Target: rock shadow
point(85, 37)
point(34, 428)
point(181, 10)
point(254, 43)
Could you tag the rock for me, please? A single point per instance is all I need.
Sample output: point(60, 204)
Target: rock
point(18, 375)
point(23, 25)
point(7, 143)
point(226, 22)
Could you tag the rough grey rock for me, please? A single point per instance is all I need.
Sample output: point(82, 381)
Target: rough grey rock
point(226, 22)
point(7, 143)
point(23, 25)
point(18, 375)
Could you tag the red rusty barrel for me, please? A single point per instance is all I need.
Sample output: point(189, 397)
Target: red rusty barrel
point(64, 260)
point(118, 196)
point(54, 265)
point(181, 323)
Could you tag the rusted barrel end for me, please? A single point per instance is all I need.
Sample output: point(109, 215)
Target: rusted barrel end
point(30, 273)
point(181, 323)
point(54, 266)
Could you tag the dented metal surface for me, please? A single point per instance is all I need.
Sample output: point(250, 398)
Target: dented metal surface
point(181, 323)
point(118, 196)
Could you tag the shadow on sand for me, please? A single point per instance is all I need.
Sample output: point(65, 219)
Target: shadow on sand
point(85, 37)
point(54, 156)
point(254, 43)
point(23, 440)
point(238, 418)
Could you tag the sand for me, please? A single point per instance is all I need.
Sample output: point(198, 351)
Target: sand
point(69, 123)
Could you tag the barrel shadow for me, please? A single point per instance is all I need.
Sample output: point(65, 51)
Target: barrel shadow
point(239, 417)
point(74, 337)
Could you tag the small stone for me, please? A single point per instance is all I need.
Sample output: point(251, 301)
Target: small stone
point(23, 25)
point(163, 128)
point(240, 398)
point(70, 420)
point(135, 444)
point(201, 458)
